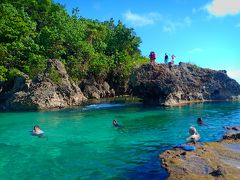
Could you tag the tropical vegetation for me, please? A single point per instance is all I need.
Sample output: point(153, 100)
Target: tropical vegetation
point(33, 31)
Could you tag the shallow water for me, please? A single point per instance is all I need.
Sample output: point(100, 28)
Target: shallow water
point(81, 143)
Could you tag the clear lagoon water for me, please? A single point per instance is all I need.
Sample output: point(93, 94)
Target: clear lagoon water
point(81, 143)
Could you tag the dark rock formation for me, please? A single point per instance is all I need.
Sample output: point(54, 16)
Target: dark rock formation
point(232, 132)
point(52, 89)
point(173, 85)
point(93, 90)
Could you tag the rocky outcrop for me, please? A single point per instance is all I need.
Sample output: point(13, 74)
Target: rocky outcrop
point(93, 90)
point(173, 85)
point(216, 160)
point(232, 132)
point(52, 89)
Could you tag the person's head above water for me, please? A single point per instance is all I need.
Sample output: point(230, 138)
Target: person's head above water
point(199, 120)
point(115, 123)
point(192, 130)
point(36, 127)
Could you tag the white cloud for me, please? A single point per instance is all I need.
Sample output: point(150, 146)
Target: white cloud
point(167, 28)
point(171, 26)
point(195, 50)
point(223, 7)
point(142, 20)
point(235, 74)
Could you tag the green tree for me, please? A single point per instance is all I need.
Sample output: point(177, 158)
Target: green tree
point(16, 37)
point(3, 72)
point(35, 30)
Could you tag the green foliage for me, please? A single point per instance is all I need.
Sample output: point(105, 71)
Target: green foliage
point(142, 60)
point(99, 66)
point(13, 72)
point(3, 72)
point(35, 65)
point(55, 76)
point(14, 24)
point(33, 31)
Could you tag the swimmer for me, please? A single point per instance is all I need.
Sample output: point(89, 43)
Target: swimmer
point(200, 122)
point(37, 131)
point(115, 123)
point(195, 136)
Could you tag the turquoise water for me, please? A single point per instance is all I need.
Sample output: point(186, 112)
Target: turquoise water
point(81, 143)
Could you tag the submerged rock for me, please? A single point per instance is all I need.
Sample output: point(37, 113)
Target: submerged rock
point(173, 85)
point(52, 89)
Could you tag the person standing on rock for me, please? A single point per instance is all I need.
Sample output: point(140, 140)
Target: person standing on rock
point(166, 58)
point(152, 57)
point(173, 59)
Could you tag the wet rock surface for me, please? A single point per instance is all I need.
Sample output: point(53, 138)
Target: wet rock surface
point(216, 160)
point(178, 84)
point(232, 132)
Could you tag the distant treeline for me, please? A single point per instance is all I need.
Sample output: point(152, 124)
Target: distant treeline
point(33, 31)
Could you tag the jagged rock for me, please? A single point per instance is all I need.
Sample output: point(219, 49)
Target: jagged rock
point(93, 90)
point(235, 98)
point(218, 172)
point(232, 132)
point(1, 86)
point(169, 86)
point(52, 89)
point(21, 82)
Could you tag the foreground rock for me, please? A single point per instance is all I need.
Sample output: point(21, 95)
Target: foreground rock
point(216, 160)
point(52, 89)
point(173, 85)
point(233, 132)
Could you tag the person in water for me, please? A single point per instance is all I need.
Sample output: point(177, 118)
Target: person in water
point(194, 135)
point(115, 123)
point(37, 131)
point(200, 122)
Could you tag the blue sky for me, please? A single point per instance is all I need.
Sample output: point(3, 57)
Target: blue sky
point(203, 32)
